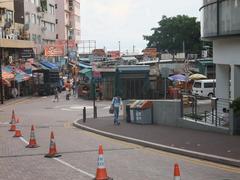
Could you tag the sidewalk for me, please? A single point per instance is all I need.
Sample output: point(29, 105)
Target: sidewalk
point(204, 145)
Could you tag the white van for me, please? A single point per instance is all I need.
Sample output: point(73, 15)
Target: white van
point(204, 87)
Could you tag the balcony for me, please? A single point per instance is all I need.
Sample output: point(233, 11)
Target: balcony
point(220, 18)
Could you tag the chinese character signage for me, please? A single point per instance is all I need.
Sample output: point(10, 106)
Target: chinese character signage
point(55, 50)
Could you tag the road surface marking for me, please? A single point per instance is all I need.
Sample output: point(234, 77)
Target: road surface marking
point(76, 169)
point(196, 161)
point(171, 155)
point(66, 164)
point(23, 140)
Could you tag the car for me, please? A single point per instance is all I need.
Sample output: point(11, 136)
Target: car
point(205, 88)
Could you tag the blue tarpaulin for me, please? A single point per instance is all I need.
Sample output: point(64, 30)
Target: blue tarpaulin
point(49, 65)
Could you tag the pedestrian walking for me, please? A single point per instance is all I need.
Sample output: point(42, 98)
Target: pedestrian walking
point(117, 104)
point(56, 97)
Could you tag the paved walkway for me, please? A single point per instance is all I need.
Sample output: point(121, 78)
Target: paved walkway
point(210, 146)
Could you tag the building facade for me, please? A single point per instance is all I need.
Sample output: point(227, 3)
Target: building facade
point(14, 39)
point(68, 24)
point(221, 25)
point(40, 22)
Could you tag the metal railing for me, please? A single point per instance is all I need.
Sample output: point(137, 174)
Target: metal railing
point(214, 111)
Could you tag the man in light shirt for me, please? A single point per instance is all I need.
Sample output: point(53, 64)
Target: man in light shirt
point(116, 103)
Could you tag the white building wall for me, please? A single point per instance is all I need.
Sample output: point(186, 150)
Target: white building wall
point(222, 81)
point(235, 81)
point(226, 51)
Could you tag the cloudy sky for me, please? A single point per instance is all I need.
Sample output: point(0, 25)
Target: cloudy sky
point(111, 21)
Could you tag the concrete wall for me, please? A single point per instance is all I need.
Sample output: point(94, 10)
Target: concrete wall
point(166, 112)
point(226, 51)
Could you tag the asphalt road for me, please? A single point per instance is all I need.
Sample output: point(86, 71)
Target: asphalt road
point(79, 148)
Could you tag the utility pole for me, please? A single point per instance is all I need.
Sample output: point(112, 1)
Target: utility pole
point(133, 48)
point(119, 46)
point(1, 81)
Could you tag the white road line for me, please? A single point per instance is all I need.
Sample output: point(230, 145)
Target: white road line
point(65, 163)
point(23, 140)
point(79, 170)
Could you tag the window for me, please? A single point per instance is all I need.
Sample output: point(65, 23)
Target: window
point(56, 36)
point(52, 27)
point(56, 21)
point(34, 19)
point(34, 38)
point(39, 39)
point(9, 16)
point(27, 17)
point(197, 85)
point(209, 85)
point(38, 20)
point(55, 6)
point(51, 8)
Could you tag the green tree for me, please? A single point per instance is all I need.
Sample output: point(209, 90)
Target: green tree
point(173, 32)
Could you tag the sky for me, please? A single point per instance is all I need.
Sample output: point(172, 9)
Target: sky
point(126, 21)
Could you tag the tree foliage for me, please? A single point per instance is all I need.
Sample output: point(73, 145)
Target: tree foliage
point(173, 32)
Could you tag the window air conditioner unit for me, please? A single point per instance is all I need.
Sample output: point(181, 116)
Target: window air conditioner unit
point(39, 9)
point(43, 29)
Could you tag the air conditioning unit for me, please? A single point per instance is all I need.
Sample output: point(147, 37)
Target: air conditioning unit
point(70, 8)
point(39, 9)
point(43, 29)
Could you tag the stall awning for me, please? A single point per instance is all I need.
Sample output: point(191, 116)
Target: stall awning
point(18, 74)
point(84, 65)
point(49, 65)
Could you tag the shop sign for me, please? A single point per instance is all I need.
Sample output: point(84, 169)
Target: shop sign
point(55, 50)
point(26, 53)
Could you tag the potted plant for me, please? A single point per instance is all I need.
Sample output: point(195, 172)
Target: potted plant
point(235, 105)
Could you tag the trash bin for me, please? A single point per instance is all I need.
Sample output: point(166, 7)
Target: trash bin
point(141, 112)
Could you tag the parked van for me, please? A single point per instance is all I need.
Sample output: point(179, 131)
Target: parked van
point(204, 87)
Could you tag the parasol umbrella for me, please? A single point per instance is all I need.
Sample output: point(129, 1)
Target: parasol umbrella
point(197, 77)
point(178, 77)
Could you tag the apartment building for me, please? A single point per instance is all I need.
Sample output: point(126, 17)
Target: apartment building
point(221, 25)
point(68, 24)
point(39, 20)
point(14, 39)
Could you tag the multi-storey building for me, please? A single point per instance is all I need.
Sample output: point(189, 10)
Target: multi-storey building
point(221, 25)
point(40, 20)
point(14, 39)
point(68, 24)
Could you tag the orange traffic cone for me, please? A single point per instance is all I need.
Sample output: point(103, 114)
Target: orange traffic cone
point(12, 127)
point(32, 141)
point(13, 119)
point(101, 173)
point(52, 149)
point(17, 133)
point(176, 172)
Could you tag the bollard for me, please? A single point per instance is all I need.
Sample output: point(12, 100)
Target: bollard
point(84, 114)
point(95, 112)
